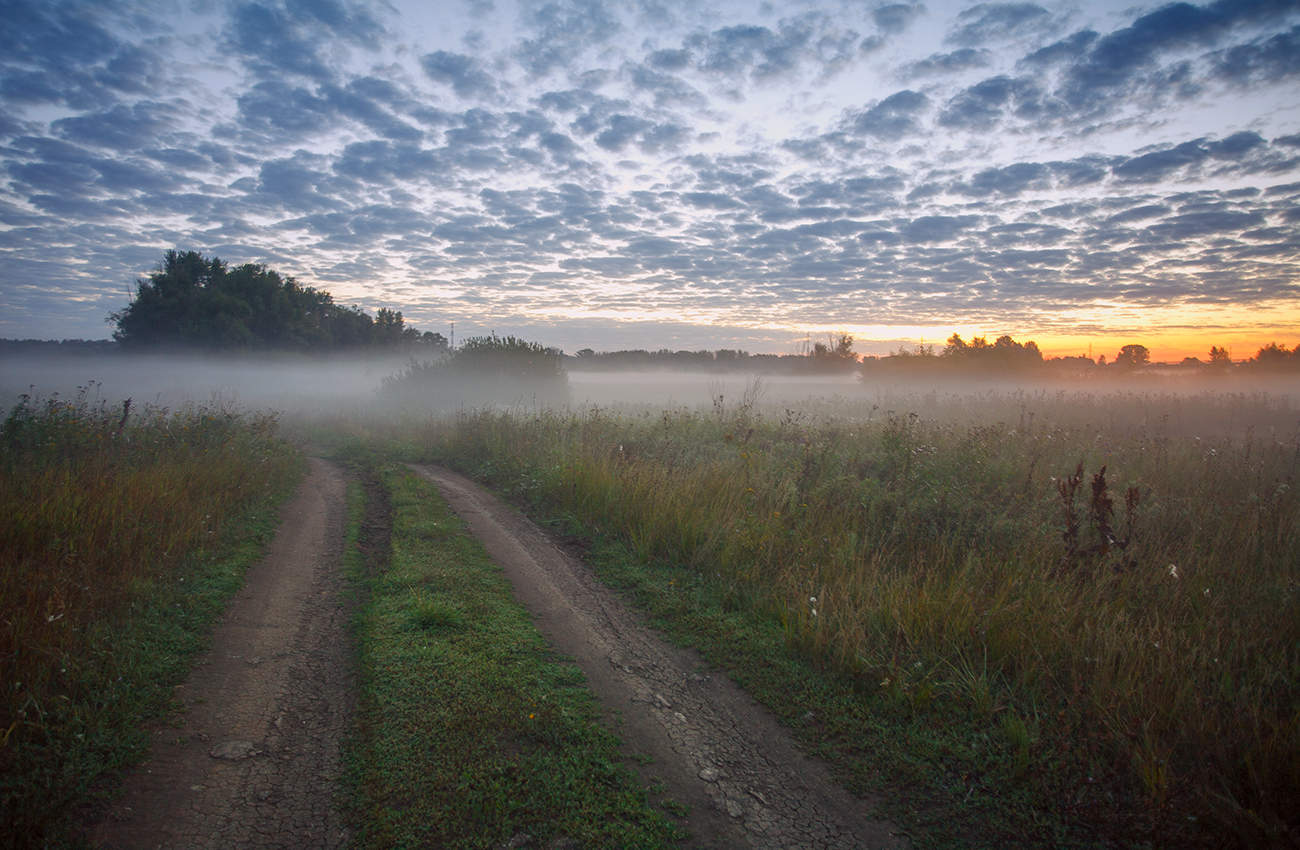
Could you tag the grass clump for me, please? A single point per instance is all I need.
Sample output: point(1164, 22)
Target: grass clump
point(122, 532)
point(471, 733)
point(1109, 605)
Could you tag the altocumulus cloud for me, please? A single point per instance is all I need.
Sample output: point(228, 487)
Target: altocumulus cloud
point(533, 165)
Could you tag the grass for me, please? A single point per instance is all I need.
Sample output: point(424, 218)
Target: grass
point(470, 731)
point(123, 534)
point(1135, 684)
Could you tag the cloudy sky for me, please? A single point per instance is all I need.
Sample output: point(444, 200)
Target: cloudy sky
point(655, 173)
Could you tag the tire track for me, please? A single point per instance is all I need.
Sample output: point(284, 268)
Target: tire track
point(254, 760)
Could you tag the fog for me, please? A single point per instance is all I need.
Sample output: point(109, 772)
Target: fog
point(349, 386)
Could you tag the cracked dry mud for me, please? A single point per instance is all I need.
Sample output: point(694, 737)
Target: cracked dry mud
point(254, 759)
point(712, 746)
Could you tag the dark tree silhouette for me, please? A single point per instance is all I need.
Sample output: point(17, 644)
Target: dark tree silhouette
point(1132, 355)
point(196, 302)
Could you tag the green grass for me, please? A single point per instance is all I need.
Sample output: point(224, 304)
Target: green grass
point(123, 537)
point(1063, 692)
point(470, 730)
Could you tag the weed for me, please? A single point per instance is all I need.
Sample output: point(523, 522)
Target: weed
point(110, 515)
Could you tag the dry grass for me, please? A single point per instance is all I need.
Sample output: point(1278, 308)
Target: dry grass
point(1117, 593)
point(99, 504)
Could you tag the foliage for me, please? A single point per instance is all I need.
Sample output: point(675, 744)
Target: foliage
point(1132, 356)
point(1152, 663)
point(105, 510)
point(1276, 357)
point(1004, 354)
point(484, 370)
point(194, 301)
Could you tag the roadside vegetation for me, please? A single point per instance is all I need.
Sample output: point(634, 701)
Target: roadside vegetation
point(470, 731)
point(122, 533)
point(1076, 626)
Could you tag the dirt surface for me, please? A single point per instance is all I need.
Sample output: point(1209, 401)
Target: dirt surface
point(714, 748)
point(254, 760)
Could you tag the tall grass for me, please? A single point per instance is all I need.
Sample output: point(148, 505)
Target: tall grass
point(1151, 661)
point(99, 506)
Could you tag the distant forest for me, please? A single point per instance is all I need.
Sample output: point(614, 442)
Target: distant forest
point(978, 356)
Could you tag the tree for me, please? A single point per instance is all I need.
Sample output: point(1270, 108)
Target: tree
point(836, 353)
point(192, 301)
point(1132, 356)
point(1274, 356)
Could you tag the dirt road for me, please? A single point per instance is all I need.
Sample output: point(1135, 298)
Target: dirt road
point(255, 759)
point(713, 746)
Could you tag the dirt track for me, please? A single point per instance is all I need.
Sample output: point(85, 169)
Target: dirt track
point(713, 746)
point(255, 757)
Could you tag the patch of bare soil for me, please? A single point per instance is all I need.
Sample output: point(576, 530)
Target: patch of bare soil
point(714, 748)
point(253, 759)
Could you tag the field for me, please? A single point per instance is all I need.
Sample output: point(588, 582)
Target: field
point(111, 517)
point(1101, 589)
point(1042, 617)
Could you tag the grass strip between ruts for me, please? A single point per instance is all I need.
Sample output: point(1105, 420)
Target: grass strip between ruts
point(471, 732)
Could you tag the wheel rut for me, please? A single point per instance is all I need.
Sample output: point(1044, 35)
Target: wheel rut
point(713, 747)
point(254, 758)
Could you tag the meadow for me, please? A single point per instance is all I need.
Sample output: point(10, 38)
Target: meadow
point(1102, 588)
point(1060, 617)
point(113, 516)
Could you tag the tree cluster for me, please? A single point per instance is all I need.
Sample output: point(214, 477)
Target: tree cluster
point(197, 302)
point(485, 370)
point(1003, 354)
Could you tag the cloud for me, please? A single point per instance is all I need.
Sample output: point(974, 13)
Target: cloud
point(983, 105)
point(962, 59)
point(1139, 213)
point(463, 73)
point(563, 29)
point(1114, 61)
point(1194, 225)
point(300, 184)
point(891, 118)
point(353, 24)
point(387, 162)
point(665, 88)
point(123, 128)
point(1264, 60)
point(1009, 180)
point(895, 17)
point(937, 228)
point(1160, 164)
point(270, 42)
point(987, 22)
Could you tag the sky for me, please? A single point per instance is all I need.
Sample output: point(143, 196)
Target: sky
point(660, 174)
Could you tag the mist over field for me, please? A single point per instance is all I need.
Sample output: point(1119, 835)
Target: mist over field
point(354, 386)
